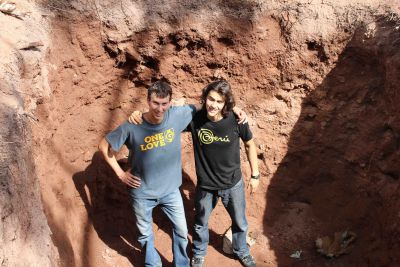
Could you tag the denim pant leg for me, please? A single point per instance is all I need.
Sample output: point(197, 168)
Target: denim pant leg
point(235, 203)
point(144, 221)
point(172, 205)
point(205, 202)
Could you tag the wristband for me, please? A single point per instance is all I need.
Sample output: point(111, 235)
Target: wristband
point(256, 177)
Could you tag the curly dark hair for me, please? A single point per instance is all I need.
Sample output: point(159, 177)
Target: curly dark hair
point(222, 87)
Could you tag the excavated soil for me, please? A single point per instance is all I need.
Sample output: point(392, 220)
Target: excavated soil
point(318, 81)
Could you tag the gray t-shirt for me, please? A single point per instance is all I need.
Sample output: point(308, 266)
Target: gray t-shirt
point(155, 151)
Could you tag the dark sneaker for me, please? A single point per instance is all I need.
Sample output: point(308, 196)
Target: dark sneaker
point(197, 261)
point(248, 261)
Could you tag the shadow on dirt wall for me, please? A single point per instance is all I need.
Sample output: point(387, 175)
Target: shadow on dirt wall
point(171, 12)
point(109, 209)
point(341, 168)
point(107, 202)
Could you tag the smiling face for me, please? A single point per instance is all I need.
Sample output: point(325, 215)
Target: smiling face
point(217, 99)
point(157, 108)
point(215, 102)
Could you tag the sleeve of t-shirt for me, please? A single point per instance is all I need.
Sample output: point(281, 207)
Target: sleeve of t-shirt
point(184, 114)
point(188, 127)
point(245, 132)
point(118, 137)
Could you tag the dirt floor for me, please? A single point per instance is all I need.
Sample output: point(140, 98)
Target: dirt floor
point(319, 82)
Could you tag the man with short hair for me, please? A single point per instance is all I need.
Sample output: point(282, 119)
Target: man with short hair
point(156, 174)
point(216, 137)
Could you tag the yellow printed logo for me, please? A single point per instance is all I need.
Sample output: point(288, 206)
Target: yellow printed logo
point(207, 137)
point(158, 140)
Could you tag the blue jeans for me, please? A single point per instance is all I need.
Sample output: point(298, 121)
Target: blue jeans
point(234, 202)
point(172, 206)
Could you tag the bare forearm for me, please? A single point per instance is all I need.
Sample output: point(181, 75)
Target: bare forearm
point(109, 157)
point(251, 151)
point(182, 101)
point(198, 107)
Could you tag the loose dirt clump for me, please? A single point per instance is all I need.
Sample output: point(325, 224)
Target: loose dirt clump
point(319, 82)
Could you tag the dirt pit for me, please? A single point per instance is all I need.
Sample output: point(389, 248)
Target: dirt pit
point(318, 81)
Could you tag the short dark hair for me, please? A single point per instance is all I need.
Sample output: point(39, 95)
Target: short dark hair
point(161, 89)
point(222, 87)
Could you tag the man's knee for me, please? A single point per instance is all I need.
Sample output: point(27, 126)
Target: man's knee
point(241, 225)
point(181, 230)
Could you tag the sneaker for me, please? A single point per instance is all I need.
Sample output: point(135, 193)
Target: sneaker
point(248, 261)
point(197, 261)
